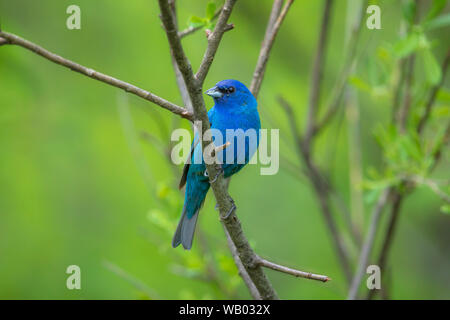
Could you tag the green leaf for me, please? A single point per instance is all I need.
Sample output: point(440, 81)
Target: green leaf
point(160, 219)
point(445, 209)
point(409, 11)
point(360, 84)
point(432, 69)
point(195, 22)
point(408, 45)
point(371, 196)
point(443, 95)
point(210, 10)
point(439, 22)
point(436, 8)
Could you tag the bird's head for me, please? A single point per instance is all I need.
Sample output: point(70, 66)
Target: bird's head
point(231, 92)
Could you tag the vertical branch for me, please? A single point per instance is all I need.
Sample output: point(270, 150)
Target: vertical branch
point(355, 166)
point(316, 75)
point(178, 76)
point(213, 41)
point(389, 236)
point(368, 243)
point(218, 185)
point(349, 65)
point(321, 189)
point(269, 39)
point(354, 142)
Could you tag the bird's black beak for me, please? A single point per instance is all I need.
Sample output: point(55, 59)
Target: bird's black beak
point(214, 92)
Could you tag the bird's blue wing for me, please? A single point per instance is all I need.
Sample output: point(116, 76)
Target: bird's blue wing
point(194, 144)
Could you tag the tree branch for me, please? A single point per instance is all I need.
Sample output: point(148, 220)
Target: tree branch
point(296, 273)
point(350, 62)
point(191, 30)
point(269, 39)
point(214, 40)
point(395, 211)
point(320, 186)
point(241, 269)
point(219, 185)
point(316, 75)
point(16, 40)
point(368, 243)
point(178, 76)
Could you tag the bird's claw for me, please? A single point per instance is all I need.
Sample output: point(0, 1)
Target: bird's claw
point(233, 207)
point(216, 176)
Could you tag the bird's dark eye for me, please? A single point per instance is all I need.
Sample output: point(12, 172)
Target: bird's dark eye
point(231, 90)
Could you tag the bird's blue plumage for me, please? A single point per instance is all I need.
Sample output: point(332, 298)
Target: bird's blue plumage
point(234, 108)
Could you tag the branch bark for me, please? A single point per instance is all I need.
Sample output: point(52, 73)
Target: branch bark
point(303, 145)
point(368, 243)
point(214, 40)
point(16, 40)
point(350, 62)
point(271, 32)
point(293, 272)
point(194, 86)
point(249, 264)
point(316, 75)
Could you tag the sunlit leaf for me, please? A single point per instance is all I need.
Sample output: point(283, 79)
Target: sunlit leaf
point(406, 46)
point(195, 22)
point(161, 220)
point(443, 95)
point(432, 69)
point(436, 8)
point(439, 22)
point(360, 84)
point(445, 209)
point(210, 10)
point(409, 10)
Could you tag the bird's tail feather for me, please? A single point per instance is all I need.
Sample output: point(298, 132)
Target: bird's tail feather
point(185, 231)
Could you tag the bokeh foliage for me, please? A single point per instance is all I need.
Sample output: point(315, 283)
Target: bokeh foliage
point(84, 171)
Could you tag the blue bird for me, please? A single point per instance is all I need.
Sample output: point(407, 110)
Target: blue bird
point(235, 108)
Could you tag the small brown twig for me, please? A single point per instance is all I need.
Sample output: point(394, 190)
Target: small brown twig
point(293, 272)
point(266, 47)
point(214, 41)
point(191, 30)
point(368, 243)
point(16, 40)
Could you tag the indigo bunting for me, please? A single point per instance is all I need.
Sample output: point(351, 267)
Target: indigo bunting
point(235, 108)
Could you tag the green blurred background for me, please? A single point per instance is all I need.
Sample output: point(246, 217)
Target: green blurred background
point(78, 185)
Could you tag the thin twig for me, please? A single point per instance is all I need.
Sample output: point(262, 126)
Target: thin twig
point(178, 76)
point(191, 30)
point(214, 41)
point(16, 40)
point(321, 189)
point(296, 273)
point(368, 243)
point(138, 284)
point(266, 47)
point(241, 269)
point(395, 212)
point(316, 75)
point(350, 62)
